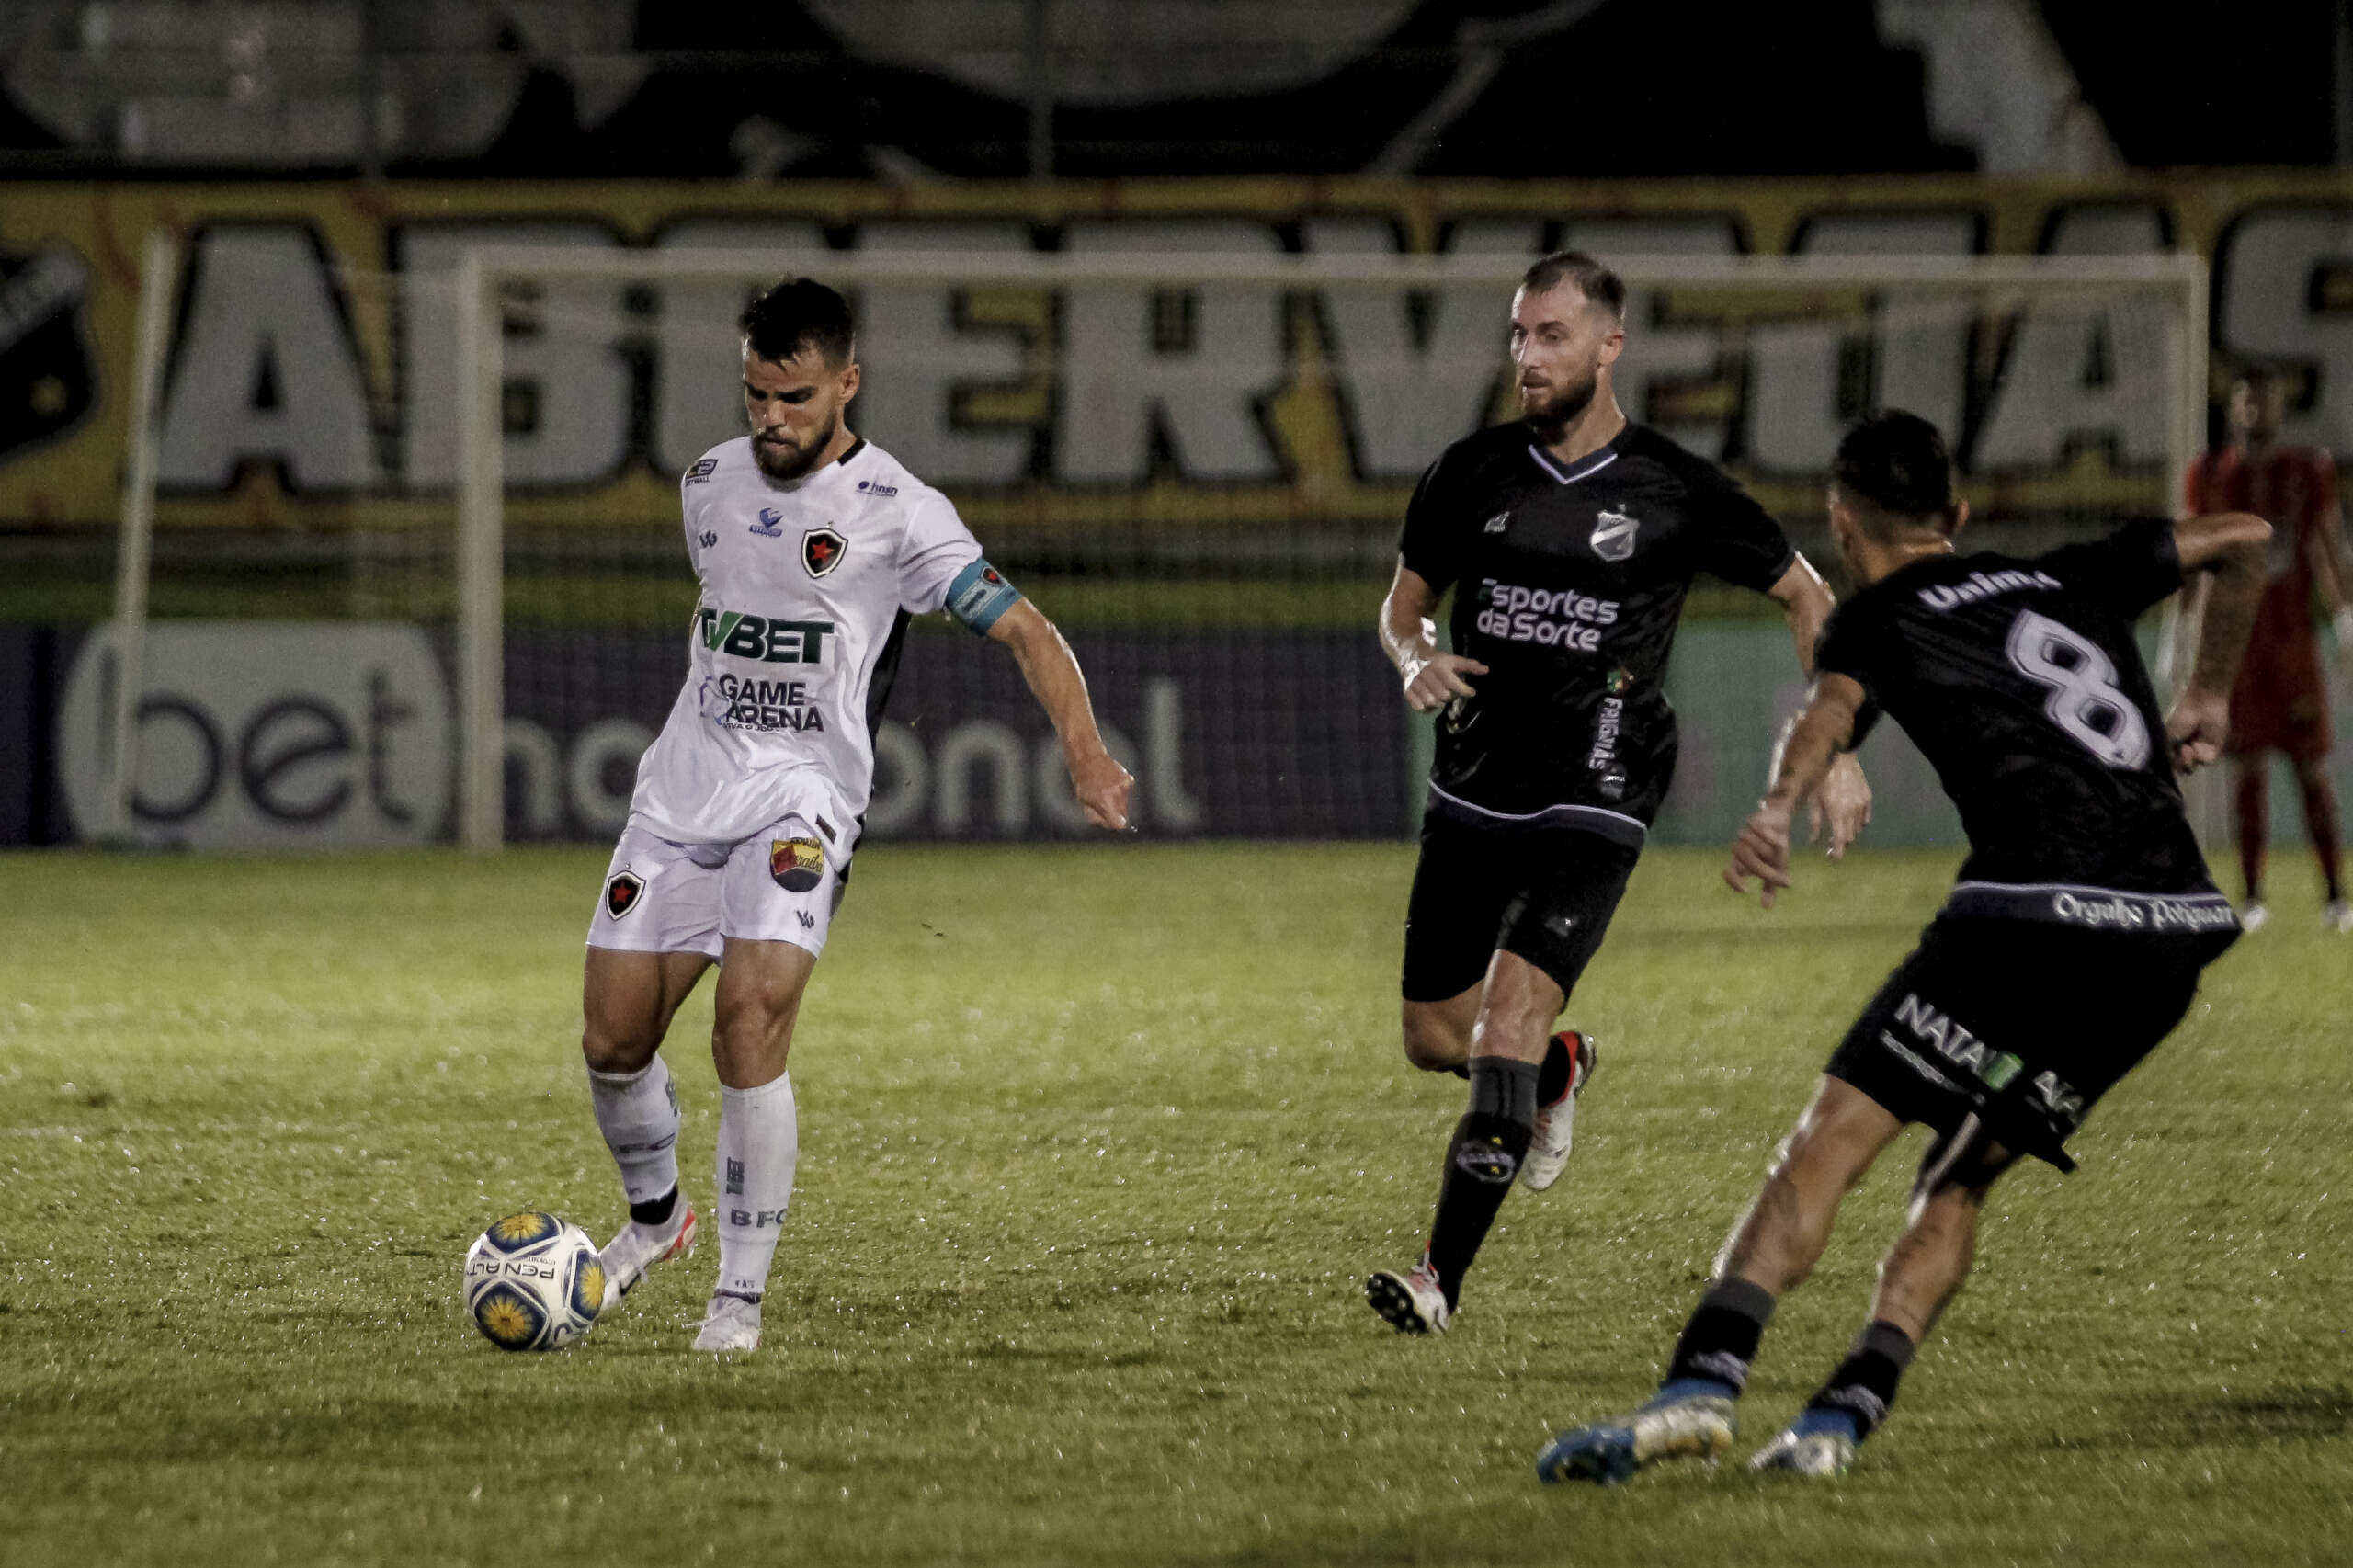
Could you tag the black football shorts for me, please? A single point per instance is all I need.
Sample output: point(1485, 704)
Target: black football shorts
point(1544, 895)
point(2022, 1023)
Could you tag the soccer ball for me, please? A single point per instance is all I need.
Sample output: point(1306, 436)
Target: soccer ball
point(534, 1282)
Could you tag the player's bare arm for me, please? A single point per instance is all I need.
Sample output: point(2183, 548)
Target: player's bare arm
point(1053, 672)
point(1815, 748)
point(2223, 560)
point(1409, 636)
point(1842, 805)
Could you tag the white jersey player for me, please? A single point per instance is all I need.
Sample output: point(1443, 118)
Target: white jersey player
point(812, 547)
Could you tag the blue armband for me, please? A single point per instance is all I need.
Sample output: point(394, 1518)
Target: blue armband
point(980, 595)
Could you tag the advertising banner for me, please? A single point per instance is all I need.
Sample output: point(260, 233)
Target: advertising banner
point(1234, 735)
point(267, 735)
point(312, 348)
point(271, 735)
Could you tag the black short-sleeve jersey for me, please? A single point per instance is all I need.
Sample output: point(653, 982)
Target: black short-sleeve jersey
point(2019, 680)
point(1569, 581)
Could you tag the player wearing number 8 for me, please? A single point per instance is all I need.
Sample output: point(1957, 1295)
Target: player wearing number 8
point(2071, 946)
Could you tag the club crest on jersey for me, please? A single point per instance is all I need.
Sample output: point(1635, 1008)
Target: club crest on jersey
point(770, 524)
point(1613, 535)
point(797, 864)
point(822, 549)
point(623, 893)
point(1496, 524)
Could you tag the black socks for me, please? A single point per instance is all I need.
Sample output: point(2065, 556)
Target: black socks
point(655, 1210)
point(1554, 1078)
point(1721, 1340)
point(1864, 1386)
point(1722, 1336)
point(1559, 1071)
point(1481, 1163)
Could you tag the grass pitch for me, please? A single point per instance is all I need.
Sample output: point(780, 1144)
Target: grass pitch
point(1098, 1144)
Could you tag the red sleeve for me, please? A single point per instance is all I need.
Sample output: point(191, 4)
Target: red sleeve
point(2193, 486)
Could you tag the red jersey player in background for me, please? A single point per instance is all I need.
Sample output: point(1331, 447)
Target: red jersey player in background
point(2281, 700)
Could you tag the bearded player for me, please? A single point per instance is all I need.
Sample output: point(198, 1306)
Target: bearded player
point(1570, 537)
point(813, 548)
point(2281, 700)
point(2070, 946)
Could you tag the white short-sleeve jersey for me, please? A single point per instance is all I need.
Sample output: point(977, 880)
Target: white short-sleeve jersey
point(807, 585)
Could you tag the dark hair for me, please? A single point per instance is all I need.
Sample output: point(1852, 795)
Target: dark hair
point(1895, 462)
point(797, 315)
point(1596, 282)
point(2260, 377)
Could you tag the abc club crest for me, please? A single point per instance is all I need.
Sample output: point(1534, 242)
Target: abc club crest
point(623, 893)
point(822, 549)
point(797, 864)
point(1613, 535)
point(47, 383)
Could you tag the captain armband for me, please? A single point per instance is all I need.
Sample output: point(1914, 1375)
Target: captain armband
point(980, 595)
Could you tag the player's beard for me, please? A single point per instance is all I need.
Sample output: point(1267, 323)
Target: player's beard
point(1561, 406)
point(778, 463)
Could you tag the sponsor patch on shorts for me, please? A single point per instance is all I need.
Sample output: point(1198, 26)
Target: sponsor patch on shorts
point(624, 893)
point(797, 864)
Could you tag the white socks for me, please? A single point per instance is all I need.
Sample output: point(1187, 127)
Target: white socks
point(638, 1114)
point(760, 1149)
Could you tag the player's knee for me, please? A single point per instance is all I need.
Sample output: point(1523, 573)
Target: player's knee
point(752, 1017)
point(1434, 1043)
point(1805, 1160)
point(623, 1049)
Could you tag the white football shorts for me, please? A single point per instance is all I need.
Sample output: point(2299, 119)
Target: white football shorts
point(782, 884)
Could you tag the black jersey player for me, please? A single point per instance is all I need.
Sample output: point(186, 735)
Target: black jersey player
point(1570, 538)
point(2071, 945)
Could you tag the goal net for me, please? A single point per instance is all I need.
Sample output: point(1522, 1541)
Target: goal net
point(1194, 461)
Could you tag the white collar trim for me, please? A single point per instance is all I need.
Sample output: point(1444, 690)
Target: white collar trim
point(1586, 467)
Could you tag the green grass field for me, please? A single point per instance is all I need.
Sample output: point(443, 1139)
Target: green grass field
point(1097, 1145)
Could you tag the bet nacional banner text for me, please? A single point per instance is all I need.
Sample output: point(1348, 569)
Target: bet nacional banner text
point(275, 734)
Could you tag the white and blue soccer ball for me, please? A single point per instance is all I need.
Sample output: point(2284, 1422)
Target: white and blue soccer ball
point(533, 1282)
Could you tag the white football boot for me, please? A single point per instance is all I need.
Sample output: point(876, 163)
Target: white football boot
point(731, 1323)
point(1548, 1149)
point(1818, 1454)
point(636, 1248)
point(2254, 916)
point(2336, 916)
point(1693, 1426)
point(1414, 1301)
